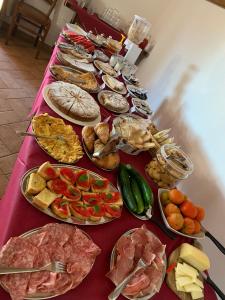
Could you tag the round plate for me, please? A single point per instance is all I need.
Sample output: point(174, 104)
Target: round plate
point(42, 296)
point(76, 83)
point(113, 259)
point(71, 220)
point(111, 109)
point(199, 235)
point(98, 66)
point(64, 116)
point(130, 82)
point(123, 92)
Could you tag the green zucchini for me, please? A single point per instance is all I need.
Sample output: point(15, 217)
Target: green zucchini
point(137, 195)
point(145, 189)
point(125, 186)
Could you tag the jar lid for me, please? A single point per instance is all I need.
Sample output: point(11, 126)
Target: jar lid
point(177, 159)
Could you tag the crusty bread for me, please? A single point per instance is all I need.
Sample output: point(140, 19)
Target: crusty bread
point(44, 198)
point(46, 175)
point(35, 184)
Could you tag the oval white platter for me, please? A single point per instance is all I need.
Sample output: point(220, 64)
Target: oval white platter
point(111, 109)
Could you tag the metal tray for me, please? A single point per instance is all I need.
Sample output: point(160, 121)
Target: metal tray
point(113, 259)
point(41, 296)
point(72, 219)
point(199, 235)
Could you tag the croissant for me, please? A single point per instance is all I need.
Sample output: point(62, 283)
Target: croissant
point(102, 131)
point(98, 145)
point(110, 161)
point(88, 135)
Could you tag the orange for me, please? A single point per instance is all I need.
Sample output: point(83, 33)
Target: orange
point(197, 226)
point(176, 196)
point(188, 209)
point(200, 214)
point(189, 226)
point(176, 221)
point(171, 208)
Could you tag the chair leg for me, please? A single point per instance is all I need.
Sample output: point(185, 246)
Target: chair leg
point(15, 26)
point(38, 36)
point(42, 39)
point(10, 30)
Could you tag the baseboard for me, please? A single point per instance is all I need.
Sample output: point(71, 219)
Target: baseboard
point(25, 36)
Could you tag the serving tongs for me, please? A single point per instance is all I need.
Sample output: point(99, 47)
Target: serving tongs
point(53, 137)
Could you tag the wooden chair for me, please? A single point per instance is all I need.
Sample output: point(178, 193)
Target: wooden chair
point(36, 18)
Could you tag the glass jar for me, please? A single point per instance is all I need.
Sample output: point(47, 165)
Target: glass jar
point(169, 166)
point(139, 30)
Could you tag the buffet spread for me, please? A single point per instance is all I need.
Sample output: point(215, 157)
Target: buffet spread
point(96, 161)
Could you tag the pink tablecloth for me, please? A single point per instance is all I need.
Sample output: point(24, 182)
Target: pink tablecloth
point(18, 216)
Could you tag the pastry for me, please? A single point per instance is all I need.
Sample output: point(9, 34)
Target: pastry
point(114, 101)
point(110, 161)
point(73, 101)
point(88, 135)
point(114, 83)
point(105, 67)
point(102, 131)
point(98, 145)
point(86, 81)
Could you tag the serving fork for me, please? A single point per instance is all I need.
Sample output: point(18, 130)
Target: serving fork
point(54, 137)
point(54, 266)
point(117, 291)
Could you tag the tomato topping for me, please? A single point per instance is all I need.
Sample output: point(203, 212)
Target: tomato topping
point(61, 205)
point(68, 174)
point(97, 211)
point(83, 178)
point(82, 209)
point(59, 186)
point(100, 184)
point(113, 211)
point(110, 197)
point(91, 199)
point(50, 172)
point(72, 193)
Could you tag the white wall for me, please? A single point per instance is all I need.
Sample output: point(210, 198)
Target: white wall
point(185, 74)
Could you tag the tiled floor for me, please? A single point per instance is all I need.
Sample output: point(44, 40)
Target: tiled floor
point(20, 78)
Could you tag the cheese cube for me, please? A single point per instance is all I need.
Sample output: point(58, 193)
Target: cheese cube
point(184, 280)
point(192, 288)
point(194, 257)
point(197, 295)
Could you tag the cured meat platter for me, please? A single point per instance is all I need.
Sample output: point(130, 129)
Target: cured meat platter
point(89, 200)
point(151, 250)
point(39, 247)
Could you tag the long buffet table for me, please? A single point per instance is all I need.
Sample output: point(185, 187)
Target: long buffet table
point(18, 216)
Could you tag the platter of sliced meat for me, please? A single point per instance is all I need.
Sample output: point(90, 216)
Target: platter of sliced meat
point(133, 245)
point(38, 247)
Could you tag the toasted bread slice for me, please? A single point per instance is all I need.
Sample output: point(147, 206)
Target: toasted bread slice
point(112, 198)
point(47, 171)
point(83, 180)
point(45, 198)
point(60, 208)
point(112, 211)
point(78, 211)
point(99, 185)
point(91, 198)
point(36, 184)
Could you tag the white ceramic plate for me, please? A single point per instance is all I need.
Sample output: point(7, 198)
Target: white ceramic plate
point(63, 115)
point(98, 65)
point(48, 211)
point(199, 235)
point(113, 260)
point(111, 109)
point(123, 92)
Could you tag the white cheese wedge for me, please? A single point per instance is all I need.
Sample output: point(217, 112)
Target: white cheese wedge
point(197, 295)
point(184, 280)
point(186, 270)
point(194, 257)
point(192, 288)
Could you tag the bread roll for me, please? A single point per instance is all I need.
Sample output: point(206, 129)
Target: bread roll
point(88, 135)
point(110, 161)
point(102, 131)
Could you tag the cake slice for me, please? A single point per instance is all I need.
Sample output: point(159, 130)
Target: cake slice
point(35, 184)
point(45, 198)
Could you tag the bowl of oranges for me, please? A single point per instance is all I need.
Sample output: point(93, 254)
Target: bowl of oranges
point(180, 214)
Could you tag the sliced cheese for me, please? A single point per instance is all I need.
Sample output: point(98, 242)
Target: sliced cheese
point(197, 295)
point(194, 257)
point(184, 280)
point(179, 287)
point(192, 288)
point(199, 283)
point(186, 270)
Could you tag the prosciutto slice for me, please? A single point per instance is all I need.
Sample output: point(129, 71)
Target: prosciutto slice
point(140, 244)
point(54, 242)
